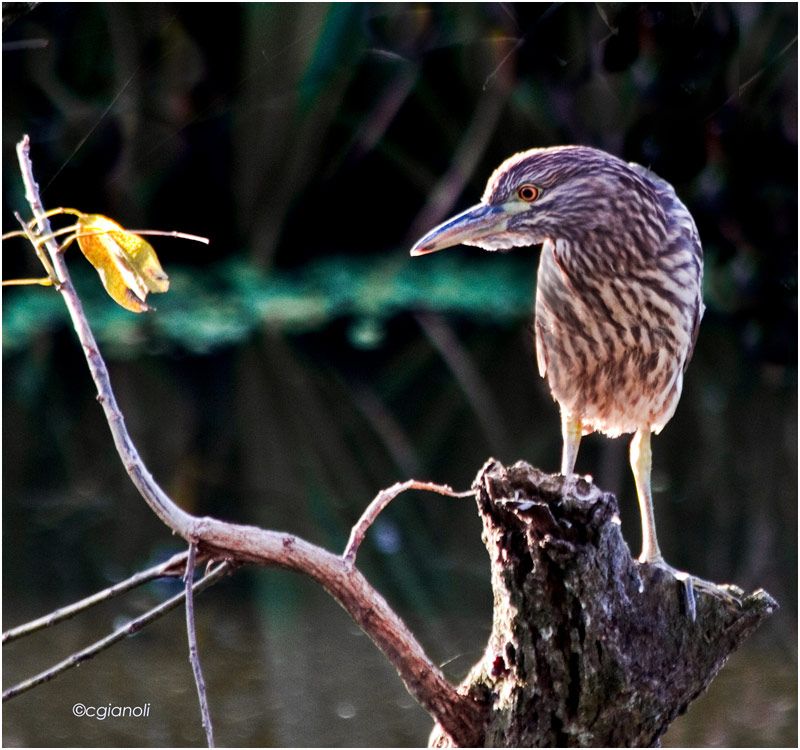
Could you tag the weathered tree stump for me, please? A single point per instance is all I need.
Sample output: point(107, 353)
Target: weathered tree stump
point(588, 646)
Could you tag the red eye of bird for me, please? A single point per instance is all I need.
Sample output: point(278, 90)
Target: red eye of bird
point(528, 193)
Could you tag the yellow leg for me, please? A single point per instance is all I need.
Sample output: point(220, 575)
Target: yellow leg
point(571, 431)
point(641, 463)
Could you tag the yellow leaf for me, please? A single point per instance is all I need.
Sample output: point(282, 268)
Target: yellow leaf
point(127, 264)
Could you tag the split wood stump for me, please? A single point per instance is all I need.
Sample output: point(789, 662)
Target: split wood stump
point(588, 646)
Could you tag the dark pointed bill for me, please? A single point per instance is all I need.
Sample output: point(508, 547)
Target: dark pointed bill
point(469, 227)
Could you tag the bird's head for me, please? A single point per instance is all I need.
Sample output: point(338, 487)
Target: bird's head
point(544, 193)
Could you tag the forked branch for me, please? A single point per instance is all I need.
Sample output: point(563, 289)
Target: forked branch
point(461, 716)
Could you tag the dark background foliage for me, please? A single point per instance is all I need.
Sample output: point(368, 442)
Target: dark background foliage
point(302, 361)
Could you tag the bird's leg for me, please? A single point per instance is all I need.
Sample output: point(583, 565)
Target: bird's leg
point(571, 431)
point(642, 463)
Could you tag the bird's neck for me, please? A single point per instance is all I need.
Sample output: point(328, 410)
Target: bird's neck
point(600, 251)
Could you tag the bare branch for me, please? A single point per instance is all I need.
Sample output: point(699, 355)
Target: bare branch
point(382, 499)
point(194, 654)
point(162, 570)
point(461, 716)
point(43, 259)
point(134, 626)
point(173, 516)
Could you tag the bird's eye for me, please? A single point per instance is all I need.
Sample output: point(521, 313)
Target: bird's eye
point(528, 193)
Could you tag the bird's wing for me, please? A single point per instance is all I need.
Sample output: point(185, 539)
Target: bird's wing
point(681, 226)
point(698, 316)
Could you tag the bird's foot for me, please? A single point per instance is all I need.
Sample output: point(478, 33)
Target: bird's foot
point(691, 584)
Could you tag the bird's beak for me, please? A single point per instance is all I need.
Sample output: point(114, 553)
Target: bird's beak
point(469, 227)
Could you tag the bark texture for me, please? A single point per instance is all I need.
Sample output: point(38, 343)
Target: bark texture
point(588, 647)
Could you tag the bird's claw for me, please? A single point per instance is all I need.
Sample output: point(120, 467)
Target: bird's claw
point(691, 584)
point(689, 600)
point(687, 586)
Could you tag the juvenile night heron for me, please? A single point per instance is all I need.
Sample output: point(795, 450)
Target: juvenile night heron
point(618, 301)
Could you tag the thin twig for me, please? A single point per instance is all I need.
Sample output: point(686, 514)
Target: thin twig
point(134, 626)
point(43, 259)
point(76, 234)
point(194, 654)
point(382, 499)
point(167, 233)
point(161, 570)
point(44, 281)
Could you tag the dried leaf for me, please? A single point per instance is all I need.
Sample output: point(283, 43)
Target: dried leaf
point(126, 263)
